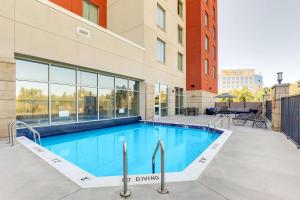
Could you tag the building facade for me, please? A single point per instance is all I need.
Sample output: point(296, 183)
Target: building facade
point(202, 53)
point(81, 60)
point(239, 78)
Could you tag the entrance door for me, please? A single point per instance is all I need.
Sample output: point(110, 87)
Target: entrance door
point(161, 100)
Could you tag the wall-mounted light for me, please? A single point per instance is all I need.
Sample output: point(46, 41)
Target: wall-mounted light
point(279, 77)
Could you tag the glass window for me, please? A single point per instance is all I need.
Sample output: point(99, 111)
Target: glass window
point(62, 75)
point(87, 79)
point(214, 32)
point(121, 84)
point(87, 104)
point(134, 85)
point(134, 103)
point(32, 102)
point(161, 17)
point(160, 51)
point(213, 72)
point(164, 100)
point(106, 81)
point(214, 13)
point(90, 11)
point(180, 8)
point(180, 61)
point(214, 52)
point(63, 103)
point(106, 103)
point(206, 19)
point(33, 71)
point(121, 103)
point(206, 43)
point(206, 70)
point(180, 34)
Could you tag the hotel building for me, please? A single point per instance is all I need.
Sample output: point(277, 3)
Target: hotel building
point(231, 79)
point(68, 61)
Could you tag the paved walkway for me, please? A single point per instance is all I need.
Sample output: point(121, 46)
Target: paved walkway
point(254, 164)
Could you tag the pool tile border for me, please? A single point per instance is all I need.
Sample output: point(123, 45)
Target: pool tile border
point(87, 180)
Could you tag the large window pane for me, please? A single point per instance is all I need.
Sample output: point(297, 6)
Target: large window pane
point(121, 84)
point(134, 103)
point(122, 103)
point(62, 75)
point(32, 102)
point(87, 79)
point(163, 96)
point(87, 104)
point(63, 103)
point(33, 71)
point(106, 81)
point(134, 85)
point(106, 103)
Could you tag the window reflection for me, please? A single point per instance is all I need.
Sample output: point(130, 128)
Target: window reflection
point(62, 75)
point(33, 71)
point(87, 104)
point(87, 79)
point(133, 85)
point(106, 82)
point(63, 103)
point(32, 102)
point(134, 103)
point(106, 103)
point(113, 97)
point(122, 103)
point(121, 84)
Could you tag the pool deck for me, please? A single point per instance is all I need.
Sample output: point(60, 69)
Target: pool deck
point(253, 164)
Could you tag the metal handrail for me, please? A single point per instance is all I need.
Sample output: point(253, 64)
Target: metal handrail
point(11, 132)
point(214, 119)
point(162, 189)
point(125, 192)
point(221, 121)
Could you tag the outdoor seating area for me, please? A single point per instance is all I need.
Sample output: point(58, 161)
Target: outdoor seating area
point(191, 111)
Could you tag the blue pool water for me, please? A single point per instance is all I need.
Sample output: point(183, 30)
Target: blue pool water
point(99, 152)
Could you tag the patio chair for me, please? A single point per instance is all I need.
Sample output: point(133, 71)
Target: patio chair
point(242, 119)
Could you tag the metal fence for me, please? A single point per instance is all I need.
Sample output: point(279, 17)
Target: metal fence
point(290, 123)
point(269, 110)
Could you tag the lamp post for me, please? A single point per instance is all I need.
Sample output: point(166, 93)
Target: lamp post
point(266, 90)
point(279, 77)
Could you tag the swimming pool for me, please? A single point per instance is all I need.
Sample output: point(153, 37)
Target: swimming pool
point(99, 152)
point(92, 157)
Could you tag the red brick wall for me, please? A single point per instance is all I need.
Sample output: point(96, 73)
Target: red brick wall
point(196, 79)
point(75, 6)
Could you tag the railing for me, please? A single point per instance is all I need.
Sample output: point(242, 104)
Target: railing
point(125, 193)
point(214, 119)
point(11, 134)
point(160, 144)
point(221, 121)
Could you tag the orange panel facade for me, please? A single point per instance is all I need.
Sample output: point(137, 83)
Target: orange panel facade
point(76, 6)
point(196, 31)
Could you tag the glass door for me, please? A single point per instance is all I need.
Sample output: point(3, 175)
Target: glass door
point(161, 100)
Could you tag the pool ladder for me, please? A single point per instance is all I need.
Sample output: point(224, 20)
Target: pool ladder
point(162, 189)
point(219, 120)
point(11, 125)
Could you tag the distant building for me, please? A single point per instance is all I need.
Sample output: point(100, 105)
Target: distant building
point(231, 79)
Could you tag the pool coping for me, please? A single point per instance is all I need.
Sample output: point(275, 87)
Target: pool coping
point(87, 180)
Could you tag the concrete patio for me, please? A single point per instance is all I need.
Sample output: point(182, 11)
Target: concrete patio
point(253, 164)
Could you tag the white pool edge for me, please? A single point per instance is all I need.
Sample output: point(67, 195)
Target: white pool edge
point(86, 180)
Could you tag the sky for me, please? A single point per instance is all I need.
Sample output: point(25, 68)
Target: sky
point(260, 34)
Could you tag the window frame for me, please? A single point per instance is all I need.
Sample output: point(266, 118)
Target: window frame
point(160, 8)
point(94, 5)
point(164, 51)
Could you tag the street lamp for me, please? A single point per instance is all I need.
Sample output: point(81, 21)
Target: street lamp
point(266, 90)
point(279, 77)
